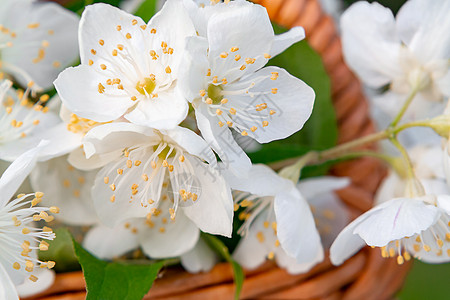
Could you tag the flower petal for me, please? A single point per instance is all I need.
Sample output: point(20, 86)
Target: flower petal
point(30, 288)
point(177, 238)
point(164, 112)
point(396, 219)
point(347, 243)
point(103, 139)
point(194, 64)
point(46, 40)
point(223, 143)
point(310, 188)
point(7, 288)
point(16, 173)
point(261, 181)
point(192, 143)
point(108, 243)
point(249, 30)
point(67, 188)
point(287, 39)
point(370, 43)
point(296, 228)
point(213, 211)
point(288, 104)
point(200, 259)
point(79, 89)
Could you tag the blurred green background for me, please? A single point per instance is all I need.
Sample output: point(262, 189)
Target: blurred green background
point(425, 281)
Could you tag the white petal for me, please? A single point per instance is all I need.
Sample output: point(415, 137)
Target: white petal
point(309, 188)
point(79, 91)
point(396, 219)
point(192, 143)
point(292, 266)
point(109, 243)
point(29, 288)
point(292, 104)
point(223, 143)
point(251, 252)
point(391, 187)
point(261, 181)
point(249, 29)
point(330, 214)
point(296, 228)
point(77, 158)
point(444, 203)
point(213, 211)
point(200, 259)
point(287, 39)
point(174, 25)
point(67, 188)
point(122, 209)
point(16, 173)
point(347, 243)
point(7, 288)
point(178, 238)
point(164, 112)
point(56, 35)
point(430, 40)
point(103, 139)
point(370, 43)
point(195, 64)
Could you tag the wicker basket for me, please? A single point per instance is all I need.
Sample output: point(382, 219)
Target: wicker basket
point(366, 275)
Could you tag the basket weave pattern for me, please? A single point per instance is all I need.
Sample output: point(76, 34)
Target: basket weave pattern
point(365, 276)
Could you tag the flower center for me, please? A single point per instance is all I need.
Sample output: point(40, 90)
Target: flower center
point(146, 86)
point(215, 93)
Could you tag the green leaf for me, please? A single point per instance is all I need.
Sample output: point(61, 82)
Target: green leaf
point(320, 131)
point(147, 10)
point(222, 250)
point(78, 5)
point(61, 252)
point(121, 281)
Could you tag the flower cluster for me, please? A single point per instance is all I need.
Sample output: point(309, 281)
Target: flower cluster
point(142, 142)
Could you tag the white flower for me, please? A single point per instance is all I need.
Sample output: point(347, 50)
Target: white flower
point(128, 67)
point(37, 40)
point(224, 79)
point(410, 52)
point(67, 188)
point(330, 214)
point(23, 124)
point(278, 222)
point(428, 168)
point(19, 239)
point(402, 227)
point(145, 170)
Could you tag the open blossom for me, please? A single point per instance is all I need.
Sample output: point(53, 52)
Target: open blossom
point(403, 228)
point(19, 239)
point(278, 222)
point(128, 68)
point(148, 173)
point(410, 52)
point(224, 79)
point(37, 40)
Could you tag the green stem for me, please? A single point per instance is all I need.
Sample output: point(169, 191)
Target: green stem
point(405, 155)
point(404, 108)
point(422, 123)
point(338, 151)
